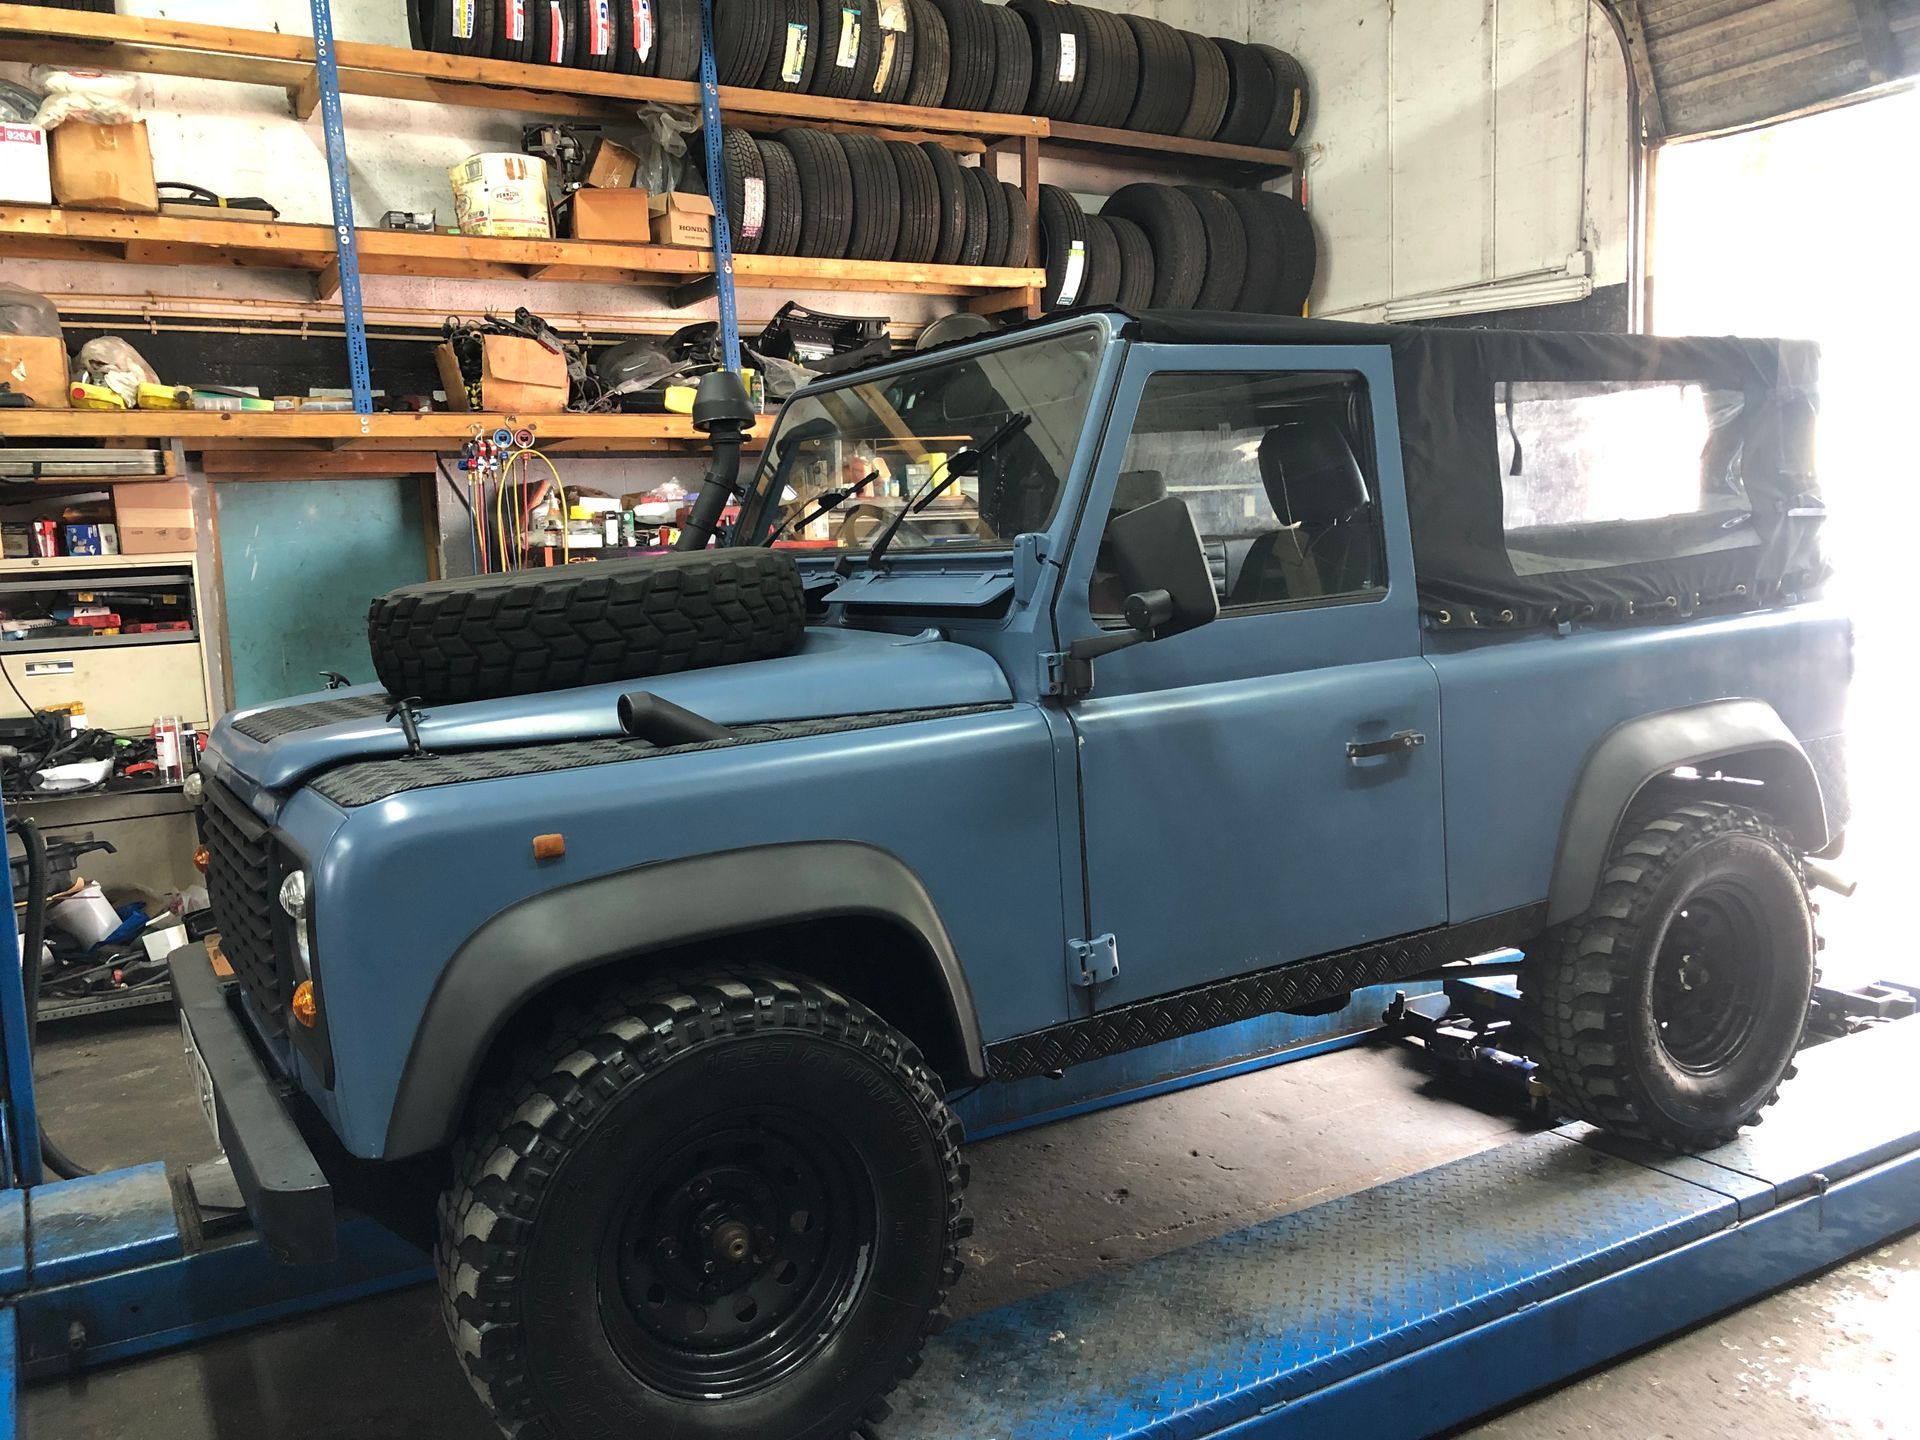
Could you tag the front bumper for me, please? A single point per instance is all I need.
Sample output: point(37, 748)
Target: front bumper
point(288, 1198)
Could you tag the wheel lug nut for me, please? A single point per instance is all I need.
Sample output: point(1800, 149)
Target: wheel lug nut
point(702, 1188)
point(708, 1267)
point(669, 1249)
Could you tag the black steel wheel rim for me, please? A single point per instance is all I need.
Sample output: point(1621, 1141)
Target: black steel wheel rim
point(729, 1258)
point(1710, 978)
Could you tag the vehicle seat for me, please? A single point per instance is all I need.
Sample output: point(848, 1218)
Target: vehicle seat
point(1326, 545)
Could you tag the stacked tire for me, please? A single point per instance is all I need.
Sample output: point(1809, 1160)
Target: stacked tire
point(857, 197)
point(1072, 63)
point(1177, 247)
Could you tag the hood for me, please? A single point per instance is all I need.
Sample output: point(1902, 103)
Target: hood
point(835, 672)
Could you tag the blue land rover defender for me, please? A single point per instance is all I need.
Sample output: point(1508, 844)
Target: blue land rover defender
point(1057, 692)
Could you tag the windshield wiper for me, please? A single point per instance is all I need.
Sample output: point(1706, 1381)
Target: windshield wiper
point(961, 463)
point(825, 503)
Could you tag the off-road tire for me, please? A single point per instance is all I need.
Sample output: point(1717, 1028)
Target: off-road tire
point(538, 1166)
point(485, 636)
point(1590, 991)
point(1012, 51)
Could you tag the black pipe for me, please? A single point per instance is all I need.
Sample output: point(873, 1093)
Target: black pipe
point(722, 409)
point(645, 715)
point(33, 938)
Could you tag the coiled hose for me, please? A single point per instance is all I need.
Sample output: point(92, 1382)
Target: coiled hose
point(33, 938)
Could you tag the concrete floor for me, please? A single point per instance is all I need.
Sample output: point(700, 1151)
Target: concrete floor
point(1835, 1356)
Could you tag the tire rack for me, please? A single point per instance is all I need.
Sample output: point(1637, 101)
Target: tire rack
point(289, 62)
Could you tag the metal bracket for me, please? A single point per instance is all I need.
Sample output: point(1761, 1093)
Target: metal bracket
point(1062, 677)
point(340, 189)
point(1093, 962)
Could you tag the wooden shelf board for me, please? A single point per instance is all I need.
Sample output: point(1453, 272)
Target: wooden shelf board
point(285, 62)
point(29, 232)
point(442, 431)
point(1170, 150)
point(62, 564)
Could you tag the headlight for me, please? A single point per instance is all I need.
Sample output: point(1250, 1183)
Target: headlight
point(293, 894)
point(194, 787)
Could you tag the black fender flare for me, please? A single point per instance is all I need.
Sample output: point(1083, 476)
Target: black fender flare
point(623, 916)
point(1638, 751)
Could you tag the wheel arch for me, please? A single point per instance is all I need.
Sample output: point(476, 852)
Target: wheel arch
point(1743, 739)
point(586, 930)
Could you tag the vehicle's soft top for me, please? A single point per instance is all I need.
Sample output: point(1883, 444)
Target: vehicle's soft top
point(1448, 381)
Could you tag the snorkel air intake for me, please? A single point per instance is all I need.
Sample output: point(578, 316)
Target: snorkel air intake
point(722, 409)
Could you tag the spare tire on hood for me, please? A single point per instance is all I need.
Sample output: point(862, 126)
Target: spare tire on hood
point(485, 636)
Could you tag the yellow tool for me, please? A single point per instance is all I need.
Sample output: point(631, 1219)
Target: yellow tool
point(93, 397)
point(163, 397)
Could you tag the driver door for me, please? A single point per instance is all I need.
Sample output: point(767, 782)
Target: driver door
point(1228, 828)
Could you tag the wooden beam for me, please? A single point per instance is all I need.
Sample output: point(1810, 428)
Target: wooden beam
point(326, 280)
point(303, 99)
point(320, 465)
point(1876, 41)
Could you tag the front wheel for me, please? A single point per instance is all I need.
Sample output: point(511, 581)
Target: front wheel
point(730, 1205)
point(1672, 1009)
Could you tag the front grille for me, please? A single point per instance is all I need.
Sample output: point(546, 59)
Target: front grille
point(241, 876)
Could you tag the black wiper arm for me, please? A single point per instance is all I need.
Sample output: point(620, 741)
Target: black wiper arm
point(964, 462)
point(825, 504)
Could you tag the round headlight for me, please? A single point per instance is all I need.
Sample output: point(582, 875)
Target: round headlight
point(194, 787)
point(293, 894)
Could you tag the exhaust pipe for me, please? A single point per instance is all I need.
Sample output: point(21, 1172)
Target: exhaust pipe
point(1819, 872)
point(722, 409)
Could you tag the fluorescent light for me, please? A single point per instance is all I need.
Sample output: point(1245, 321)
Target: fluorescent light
point(1507, 295)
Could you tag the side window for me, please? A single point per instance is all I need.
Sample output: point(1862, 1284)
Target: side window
point(1277, 471)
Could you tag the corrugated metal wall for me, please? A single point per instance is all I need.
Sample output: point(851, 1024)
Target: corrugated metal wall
point(1715, 65)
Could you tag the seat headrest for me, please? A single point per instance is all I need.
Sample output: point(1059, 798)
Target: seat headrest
point(1135, 488)
point(1311, 476)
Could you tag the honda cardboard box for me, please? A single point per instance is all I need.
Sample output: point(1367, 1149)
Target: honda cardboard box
point(517, 376)
point(607, 215)
point(103, 167)
point(25, 178)
point(155, 519)
point(682, 219)
point(35, 366)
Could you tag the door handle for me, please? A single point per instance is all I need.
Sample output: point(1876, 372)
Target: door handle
point(1392, 745)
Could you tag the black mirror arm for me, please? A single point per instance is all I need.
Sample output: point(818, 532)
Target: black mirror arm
point(1145, 613)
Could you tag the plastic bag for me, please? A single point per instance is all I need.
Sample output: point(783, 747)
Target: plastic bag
point(27, 312)
point(100, 97)
point(662, 146)
point(112, 362)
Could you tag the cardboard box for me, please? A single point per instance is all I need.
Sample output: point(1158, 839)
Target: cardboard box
point(680, 218)
point(517, 376)
point(25, 178)
point(611, 166)
point(103, 167)
point(607, 215)
point(35, 366)
point(154, 519)
point(501, 194)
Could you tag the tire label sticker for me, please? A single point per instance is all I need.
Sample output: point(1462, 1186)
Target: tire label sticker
point(893, 15)
point(887, 41)
point(849, 52)
point(1299, 99)
point(1076, 270)
point(516, 20)
point(600, 32)
point(642, 28)
point(557, 31)
point(463, 19)
point(1069, 58)
point(793, 62)
point(753, 211)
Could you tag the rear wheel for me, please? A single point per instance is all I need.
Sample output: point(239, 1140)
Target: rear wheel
point(726, 1205)
point(1672, 1009)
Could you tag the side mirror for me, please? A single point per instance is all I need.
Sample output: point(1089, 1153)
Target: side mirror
point(1157, 553)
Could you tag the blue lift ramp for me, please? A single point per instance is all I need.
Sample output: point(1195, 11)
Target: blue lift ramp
point(1419, 1304)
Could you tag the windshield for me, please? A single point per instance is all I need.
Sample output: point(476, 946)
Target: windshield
point(881, 442)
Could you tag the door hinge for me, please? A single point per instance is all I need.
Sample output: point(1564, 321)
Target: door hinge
point(1062, 677)
point(1093, 962)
